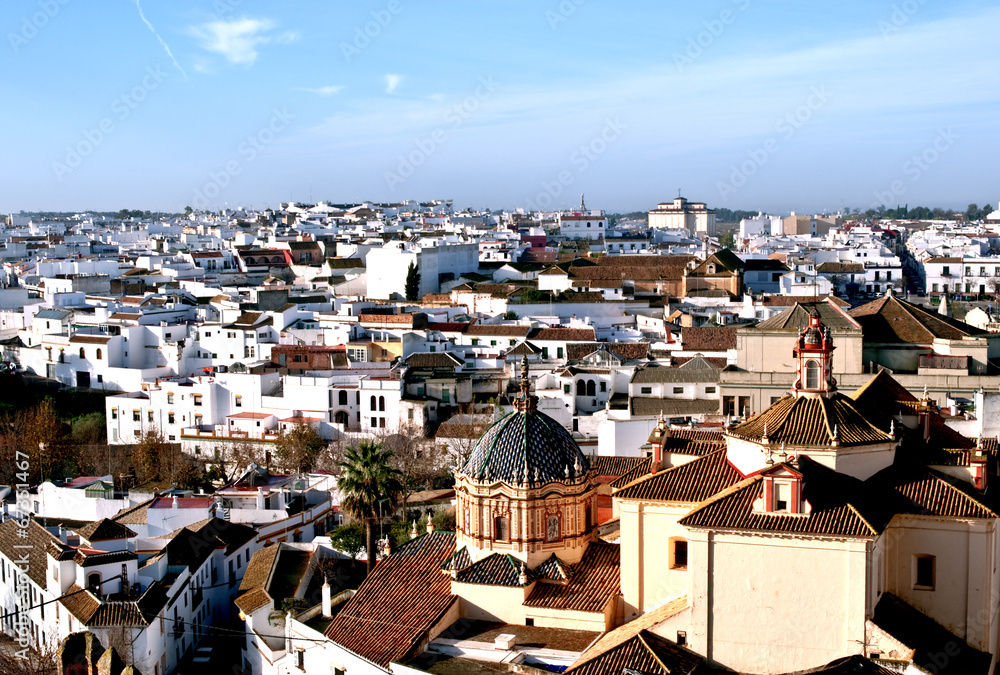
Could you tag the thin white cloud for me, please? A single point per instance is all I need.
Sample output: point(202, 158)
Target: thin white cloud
point(238, 40)
point(391, 82)
point(162, 41)
point(328, 90)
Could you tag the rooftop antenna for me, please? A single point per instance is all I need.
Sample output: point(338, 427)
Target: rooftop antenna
point(583, 204)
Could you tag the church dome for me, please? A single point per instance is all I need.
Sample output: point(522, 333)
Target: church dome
point(526, 447)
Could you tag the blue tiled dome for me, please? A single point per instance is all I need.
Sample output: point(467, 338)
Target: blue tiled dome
point(526, 447)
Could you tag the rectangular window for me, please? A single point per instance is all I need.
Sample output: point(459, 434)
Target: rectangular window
point(709, 390)
point(923, 572)
point(197, 399)
point(678, 390)
point(239, 401)
point(170, 418)
point(149, 416)
point(744, 407)
point(679, 554)
point(114, 413)
point(170, 398)
point(645, 390)
point(566, 388)
point(782, 496)
point(559, 352)
point(445, 396)
point(729, 406)
point(135, 416)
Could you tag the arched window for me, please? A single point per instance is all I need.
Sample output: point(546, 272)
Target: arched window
point(381, 403)
point(373, 403)
point(581, 388)
point(83, 354)
point(342, 418)
point(94, 582)
point(500, 530)
point(812, 374)
point(552, 529)
point(591, 388)
point(342, 397)
point(465, 521)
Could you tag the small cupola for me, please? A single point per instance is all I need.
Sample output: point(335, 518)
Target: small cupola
point(813, 353)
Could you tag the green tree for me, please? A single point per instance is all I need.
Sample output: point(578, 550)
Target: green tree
point(367, 479)
point(187, 210)
point(972, 213)
point(348, 538)
point(727, 240)
point(298, 448)
point(412, 283)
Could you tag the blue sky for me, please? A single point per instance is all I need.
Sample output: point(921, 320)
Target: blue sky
point(740, 103)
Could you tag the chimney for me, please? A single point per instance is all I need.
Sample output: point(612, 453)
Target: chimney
point(260, 499)
point(327, 607)
point(430, 525)
point(174, 504)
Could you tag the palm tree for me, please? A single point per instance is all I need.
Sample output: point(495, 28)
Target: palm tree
point(366, 479)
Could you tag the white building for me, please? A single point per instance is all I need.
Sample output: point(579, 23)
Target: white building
point(680, 214)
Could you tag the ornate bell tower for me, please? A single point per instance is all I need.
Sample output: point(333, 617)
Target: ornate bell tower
point(814, 357)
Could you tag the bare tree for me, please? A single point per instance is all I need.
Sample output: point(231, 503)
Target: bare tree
point(31, 661)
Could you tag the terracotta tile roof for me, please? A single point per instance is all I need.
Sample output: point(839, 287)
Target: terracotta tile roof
point(691, 482)
point(615, 466)
point(617, 636)
point(523, 348)
point(812, 421)
point(841, 506)
point(375, 623)
point(39, 539)
point(433, 360)
point(506, 330)
point(647, 653)
point(636, 473)
point(788, 300)
point(695, 370)
point(627, 350)
point(497, 569)
point(595, 581)
point(929, 492)
point(928, 638)
point(80, 603)
point(567, 334)
point(89, 557)
point(719, 362)
point(891, 320)
point(253, 594)
point(840, 268)
point(696, 442)
point(401, 319)
point(708, 339)
point(90, 339)
point(672, 407)
point(796, 317)
point(848, 665)
point(105, 530)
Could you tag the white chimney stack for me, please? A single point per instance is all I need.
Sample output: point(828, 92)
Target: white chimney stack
point(327, 607)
